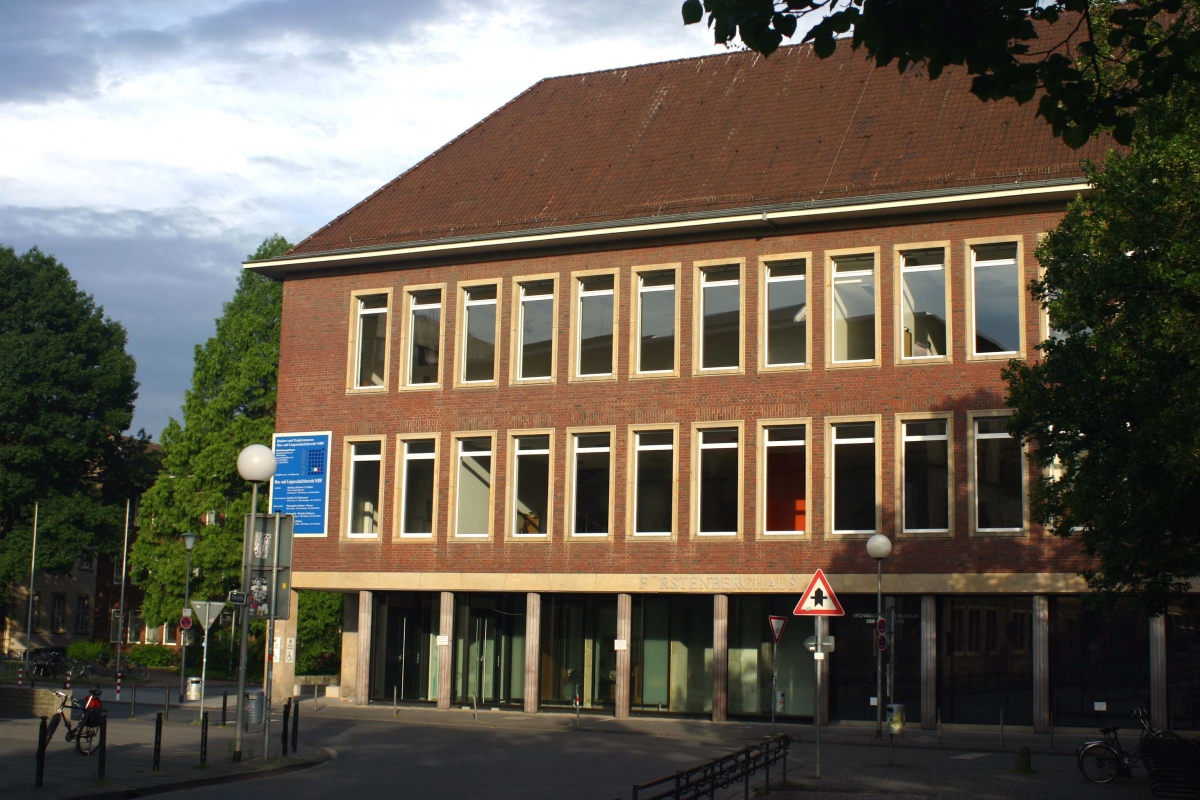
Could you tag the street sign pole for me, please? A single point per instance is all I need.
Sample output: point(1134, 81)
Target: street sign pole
point(269, 655)
point(209, 614)
point(774, 689)
point(818, 660)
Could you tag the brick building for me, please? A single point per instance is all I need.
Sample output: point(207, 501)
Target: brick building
point(605, 379)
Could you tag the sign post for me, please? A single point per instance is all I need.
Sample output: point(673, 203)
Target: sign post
point(820, 601)
point(206, 613)
point(777, 626)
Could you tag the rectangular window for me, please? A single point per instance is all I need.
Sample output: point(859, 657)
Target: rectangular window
point(366, 482)
point(473, 495)
point(926, 466)
point(718, 485)
point(114, 625)
point(721, 317)
point(656, 322)
point(83, 614)
point(854, 308)
point(137, 627)
point(591, 487)
point(996, 290)
point(787, 313)
point(786, 479)
point(535, 350)
point(87, 561)
point(998, 464)
point(424, 337)
point(419, 482)
point(371, 337)
point(479, 338)
point(595, 326)
point(654, 483)
point(531, 485)
point(923, 304)
point(58, 613)
point(854, 496)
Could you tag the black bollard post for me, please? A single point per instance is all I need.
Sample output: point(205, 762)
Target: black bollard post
point(103, 745)
point(204, 739)
point(166, 703)
point(295, 725)
point(224, 707)
point(283, 733)
point(157, 739)
point(41, 755)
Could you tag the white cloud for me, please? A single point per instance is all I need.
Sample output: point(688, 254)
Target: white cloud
point(160, 143)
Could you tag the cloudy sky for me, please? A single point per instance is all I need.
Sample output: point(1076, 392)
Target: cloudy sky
point(150, 145)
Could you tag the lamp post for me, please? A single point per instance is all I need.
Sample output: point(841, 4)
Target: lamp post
point(256, 463)
point(879, 547)
point(189, 541)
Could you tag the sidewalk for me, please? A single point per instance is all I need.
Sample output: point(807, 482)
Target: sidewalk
point(129, 754)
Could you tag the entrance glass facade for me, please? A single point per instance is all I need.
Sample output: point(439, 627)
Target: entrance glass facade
point(1097, 656)
point(489, 649)
point(671, 653)
point(750, 653)
point(985, 659)
point(404, 653)
point(852, 665)
point(577, 651)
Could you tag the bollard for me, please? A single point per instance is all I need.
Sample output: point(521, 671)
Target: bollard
point(166, 712)
point(204, 739)
point(1002, 729)
point(157, 739)
point(224, 706)
point(67, 682)
point(21, 679)
point(295, 725)
point(41, 756)
point(133, 702)
point(283, 733)
point(393, 701)
point(103, 745)
point(118, 687)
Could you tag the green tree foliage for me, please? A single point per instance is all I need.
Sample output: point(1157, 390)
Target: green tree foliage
point(1113, 404)
point(67, 390)
point(1094, 61)
point(230, 404)
point(318, 633)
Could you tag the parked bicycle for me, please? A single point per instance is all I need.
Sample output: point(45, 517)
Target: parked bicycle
point(1102, 760)
point(86, 732)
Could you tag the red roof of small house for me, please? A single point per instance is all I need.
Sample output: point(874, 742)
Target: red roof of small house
point(702, 135)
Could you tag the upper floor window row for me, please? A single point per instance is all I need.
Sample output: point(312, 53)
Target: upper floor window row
point(853, 318)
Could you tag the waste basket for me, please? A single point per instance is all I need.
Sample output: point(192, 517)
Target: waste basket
point(193, 688)
point(254, 707)
point(895, 718)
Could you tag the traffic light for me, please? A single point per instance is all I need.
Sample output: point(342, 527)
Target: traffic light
point(882, 627)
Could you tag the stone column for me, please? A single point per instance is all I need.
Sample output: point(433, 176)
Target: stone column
point(1041, 664)
point(362, 683)
point(929, 699)
point(624, 634)
point(445, 651)
point(283, 671)
point(533, 646)
point(349, 676)
point(720, 692)
point(1159, 709)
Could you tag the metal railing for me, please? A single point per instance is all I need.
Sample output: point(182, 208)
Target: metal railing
point(720, 773)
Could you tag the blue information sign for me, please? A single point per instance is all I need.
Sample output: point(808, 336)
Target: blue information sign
point(301, 483)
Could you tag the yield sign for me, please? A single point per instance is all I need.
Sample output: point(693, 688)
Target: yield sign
point(818, 599)
point(207, 612)
point(777, 625)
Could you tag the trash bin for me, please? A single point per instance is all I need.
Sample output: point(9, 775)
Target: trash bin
point(254, 707)
point(895, 718)
point(193, 688)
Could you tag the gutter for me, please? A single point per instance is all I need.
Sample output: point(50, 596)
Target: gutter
point(772, 217)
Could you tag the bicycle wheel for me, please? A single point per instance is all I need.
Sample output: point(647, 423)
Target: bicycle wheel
point(87, 737)
point(138, 672)
point(1099, 762)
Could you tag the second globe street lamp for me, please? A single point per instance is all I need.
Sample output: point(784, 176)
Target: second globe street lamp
point(879, 547)
point(189, 541)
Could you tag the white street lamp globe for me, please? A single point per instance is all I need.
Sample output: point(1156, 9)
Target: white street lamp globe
point(189, 540)
point(879, 546)
point(256, 463)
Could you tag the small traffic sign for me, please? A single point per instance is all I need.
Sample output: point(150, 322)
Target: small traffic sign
point(777, 626)
point(209, 613)
point(818, 599)
point(828, 644)
point(185, 622)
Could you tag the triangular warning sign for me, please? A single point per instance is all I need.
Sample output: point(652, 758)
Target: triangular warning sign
point(777, 626)
point(818, 599)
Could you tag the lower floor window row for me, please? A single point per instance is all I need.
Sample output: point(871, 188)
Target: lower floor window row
point(924, 478)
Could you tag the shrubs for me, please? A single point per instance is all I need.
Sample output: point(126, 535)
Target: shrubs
point(154, 655)
point(97, 652)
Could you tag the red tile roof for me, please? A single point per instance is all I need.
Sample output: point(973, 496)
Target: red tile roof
point(729, 131)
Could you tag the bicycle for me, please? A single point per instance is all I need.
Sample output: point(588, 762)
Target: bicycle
point(1102, 760)
point(85, 734)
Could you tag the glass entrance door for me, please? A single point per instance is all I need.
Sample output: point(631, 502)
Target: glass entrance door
point(490, 649)
point(403, 667)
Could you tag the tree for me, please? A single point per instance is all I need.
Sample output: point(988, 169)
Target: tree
point(230, 404)
point(1093, 61)
point(67, 391)
point(1112, 405)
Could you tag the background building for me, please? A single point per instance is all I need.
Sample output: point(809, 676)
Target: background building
point(603, 381)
